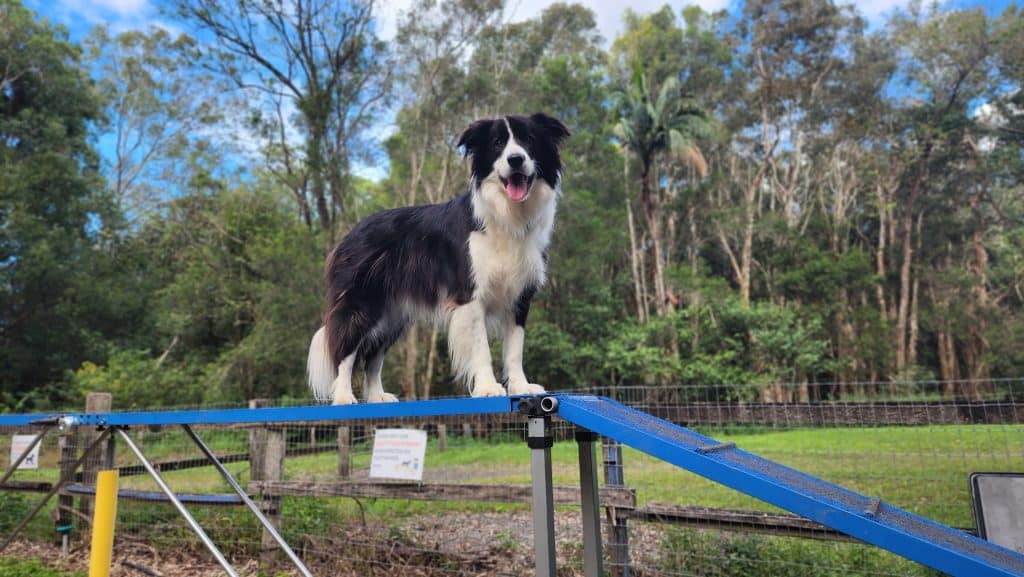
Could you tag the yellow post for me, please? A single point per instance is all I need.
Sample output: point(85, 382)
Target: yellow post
point(104, 514)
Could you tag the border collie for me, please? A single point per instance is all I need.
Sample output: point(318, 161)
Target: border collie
point(473, 263)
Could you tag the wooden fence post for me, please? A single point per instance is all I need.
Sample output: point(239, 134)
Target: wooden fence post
point(344, 452)
point(442, 437)
point(266, 463)
point(94, 403)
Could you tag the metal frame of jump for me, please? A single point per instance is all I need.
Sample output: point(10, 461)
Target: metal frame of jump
point(865, 518)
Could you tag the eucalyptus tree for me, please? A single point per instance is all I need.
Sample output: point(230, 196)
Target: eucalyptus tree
point(949, 61)
point(314, 75)
point(157, 105)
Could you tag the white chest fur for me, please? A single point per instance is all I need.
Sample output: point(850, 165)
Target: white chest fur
point(503, 267)
point(508, 259)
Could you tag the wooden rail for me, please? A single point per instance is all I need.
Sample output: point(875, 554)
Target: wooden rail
point(610, 497)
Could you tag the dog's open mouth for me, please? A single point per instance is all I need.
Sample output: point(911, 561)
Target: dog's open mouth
point(517, 186)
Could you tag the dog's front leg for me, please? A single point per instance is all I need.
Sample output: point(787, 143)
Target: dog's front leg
point(471, 355)
point(515, 335)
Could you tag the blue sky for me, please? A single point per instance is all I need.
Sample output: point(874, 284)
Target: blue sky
point(80, 16)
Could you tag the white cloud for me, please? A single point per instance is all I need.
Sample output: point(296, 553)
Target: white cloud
point(109, 11)
point(874, 9)
point(126, 7)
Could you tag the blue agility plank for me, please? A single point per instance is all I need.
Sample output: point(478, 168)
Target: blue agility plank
point(445, 407)
point(158, 497)
point(867, 519)
point(24, 420)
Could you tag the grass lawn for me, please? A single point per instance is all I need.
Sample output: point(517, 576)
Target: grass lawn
point(31, 568)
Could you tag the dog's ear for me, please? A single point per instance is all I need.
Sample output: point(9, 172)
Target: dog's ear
point(555, 127)
point(472, 136)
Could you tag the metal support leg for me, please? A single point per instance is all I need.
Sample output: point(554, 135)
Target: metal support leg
point(178, 505)
point(64, 478)
point(248, 501)
point(590, 502)
point(543, 499)
point(613, 477)
point(28, 451)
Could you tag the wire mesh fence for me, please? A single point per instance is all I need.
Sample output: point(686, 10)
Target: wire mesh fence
point(471, 515)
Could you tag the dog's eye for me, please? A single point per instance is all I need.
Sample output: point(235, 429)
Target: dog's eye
point(499, 143)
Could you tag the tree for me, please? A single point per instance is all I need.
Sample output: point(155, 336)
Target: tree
point(54, 215)
point(668, 123)
point(156, 104)
point(950, 63)
point(317, 75)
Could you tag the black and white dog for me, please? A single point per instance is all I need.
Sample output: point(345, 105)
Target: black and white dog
point(473, 263)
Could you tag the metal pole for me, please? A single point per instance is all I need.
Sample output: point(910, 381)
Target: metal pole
point(248, 501)
point(56, 487)
point(590, 503)
point(17, 462)
point(613, 477)
point(101, 550)
point(178, 505)
point(543, 499)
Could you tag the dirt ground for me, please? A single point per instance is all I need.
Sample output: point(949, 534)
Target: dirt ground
point(480, 545)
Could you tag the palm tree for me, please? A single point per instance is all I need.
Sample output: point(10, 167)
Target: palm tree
point(648, 128)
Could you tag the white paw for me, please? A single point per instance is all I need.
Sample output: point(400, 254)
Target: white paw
point(343, 393)
point(525, 389)
point(344, 399)
point(382, 397)
point(488, 390)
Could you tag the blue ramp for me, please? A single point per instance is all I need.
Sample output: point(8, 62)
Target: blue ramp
point(867, 519)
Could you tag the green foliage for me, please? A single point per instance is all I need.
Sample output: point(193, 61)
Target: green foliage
point(137, 380)
point(719, 343)
point(243, 294)
point(62, 299)
point(18, 568)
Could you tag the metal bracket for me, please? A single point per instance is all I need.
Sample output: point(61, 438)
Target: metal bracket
point(538, 406)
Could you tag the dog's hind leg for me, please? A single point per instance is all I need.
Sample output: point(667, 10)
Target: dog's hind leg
point(343, 382)
point(351, 328)
point(374, 351)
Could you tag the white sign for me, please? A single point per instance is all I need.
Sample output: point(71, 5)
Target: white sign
point(18, 445)
point(398, 454)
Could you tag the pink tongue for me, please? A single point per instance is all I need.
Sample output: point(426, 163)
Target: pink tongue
point(515, 190)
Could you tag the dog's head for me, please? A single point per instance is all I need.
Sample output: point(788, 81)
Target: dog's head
point(515, 152)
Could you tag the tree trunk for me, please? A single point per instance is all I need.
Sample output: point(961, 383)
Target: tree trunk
point(648, 204)
point(428, 374)
point(634, 261)
point(977, 343)
point(907, 228)
point(883, 210)
point(914, 302)
point(412, 350)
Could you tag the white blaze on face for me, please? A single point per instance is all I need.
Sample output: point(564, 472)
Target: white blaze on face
point(516, 179)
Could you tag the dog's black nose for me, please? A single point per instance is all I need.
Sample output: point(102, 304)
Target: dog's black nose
point(516, 160)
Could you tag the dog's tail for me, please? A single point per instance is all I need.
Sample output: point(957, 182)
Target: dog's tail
point(319, 367)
